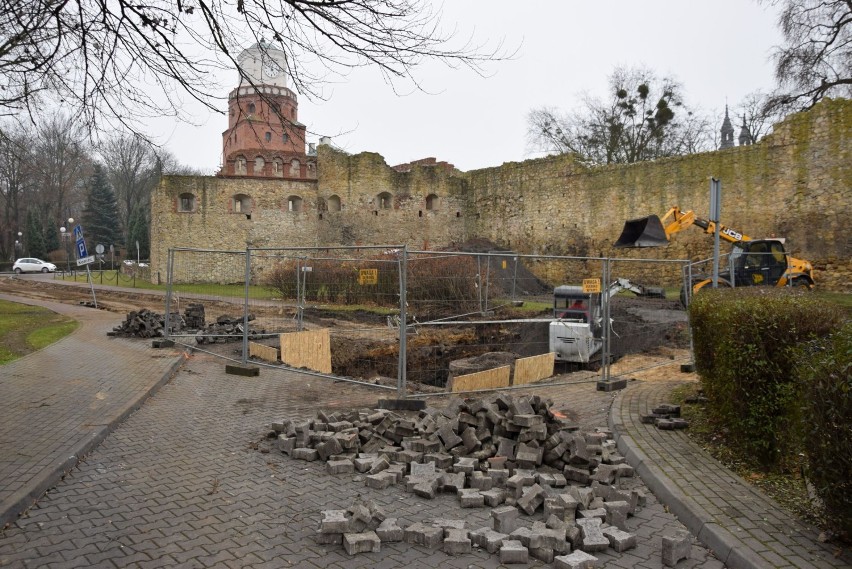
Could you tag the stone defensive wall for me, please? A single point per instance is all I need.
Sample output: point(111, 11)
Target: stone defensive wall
point(795, 183)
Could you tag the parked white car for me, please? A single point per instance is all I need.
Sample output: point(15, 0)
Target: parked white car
point(33, 265)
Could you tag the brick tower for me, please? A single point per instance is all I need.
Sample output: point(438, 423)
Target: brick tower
point(264, 138)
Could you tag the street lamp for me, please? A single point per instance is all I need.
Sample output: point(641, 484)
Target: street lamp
point(19, 244)
point(68, 243)
point(64, 233)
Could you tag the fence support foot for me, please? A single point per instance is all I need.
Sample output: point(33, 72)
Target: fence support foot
point(612, 384)
point(244, 370)
point(163, 343)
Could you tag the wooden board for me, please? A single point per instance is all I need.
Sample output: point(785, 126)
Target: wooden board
point(533, 368)
point(266, 353)
point(310, 349)
point(488, 379)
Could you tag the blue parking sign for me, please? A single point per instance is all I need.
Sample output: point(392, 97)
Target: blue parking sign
point(81, 243)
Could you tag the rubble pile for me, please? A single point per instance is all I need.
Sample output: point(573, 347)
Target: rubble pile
point(517, 456)
point(226, 329)
point(666, 417)
point(146, 324)
point(193, 316)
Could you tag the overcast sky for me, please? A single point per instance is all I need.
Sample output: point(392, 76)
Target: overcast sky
point(718, 49)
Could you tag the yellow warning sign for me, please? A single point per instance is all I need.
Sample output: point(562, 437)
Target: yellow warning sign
point(591, 285)
point(368, 276)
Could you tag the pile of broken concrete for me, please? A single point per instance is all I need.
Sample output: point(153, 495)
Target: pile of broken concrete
point(518, 456)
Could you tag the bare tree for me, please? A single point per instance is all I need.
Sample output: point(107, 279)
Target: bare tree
point(15, 183)
point(127, 60)
point(642, 119)
point(756, 116)
point(815, 60)
point(133, 169)
point(60, 171)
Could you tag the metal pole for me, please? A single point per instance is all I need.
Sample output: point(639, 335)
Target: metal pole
point(91, 284)
point(479, 280)
point(715, 215)
point(246, 307)
point(401, 374)
point(170, 269)
point(514, 278)
point(688, 299)
point(487, 279)
point(605, 356)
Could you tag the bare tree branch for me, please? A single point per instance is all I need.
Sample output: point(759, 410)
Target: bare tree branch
point(121, 62)
point(815, 60)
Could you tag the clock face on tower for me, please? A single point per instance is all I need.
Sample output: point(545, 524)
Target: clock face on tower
point(272, 70)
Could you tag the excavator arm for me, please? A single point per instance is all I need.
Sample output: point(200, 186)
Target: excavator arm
point(652, 231)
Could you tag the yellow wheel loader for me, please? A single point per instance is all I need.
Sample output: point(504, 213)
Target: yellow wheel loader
point(753, 262)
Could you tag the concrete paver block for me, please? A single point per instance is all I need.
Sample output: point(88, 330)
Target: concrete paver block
point(676, 546)
point(616, 514)
point(487, 539)
point(456, 542)
point(619, 540)
point(421, 534)
point(494, 497)
point(505, 519)
point(365, 542)
point(389, 531)
point(593, 538)
point(334, 521)
point(340, 467)
point(471, 498)
point(513, 552)
point(576, 560)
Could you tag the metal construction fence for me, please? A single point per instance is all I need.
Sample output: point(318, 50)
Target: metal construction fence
point(429, 321)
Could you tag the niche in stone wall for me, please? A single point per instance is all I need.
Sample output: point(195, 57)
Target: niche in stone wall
point(294, 203)
point(241, 203)
point(333, 203)
point(432, 202)
point(259, 163)
point(277, 167)
point(384, 201)
point(295, 168)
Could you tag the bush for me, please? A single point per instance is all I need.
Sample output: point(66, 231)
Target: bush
point(745, 352)
point(824, 372)
point(436, 286)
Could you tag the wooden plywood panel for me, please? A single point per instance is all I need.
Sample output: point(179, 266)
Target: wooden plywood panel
point(488, 379)
point(266, 353)
point(310, 349)
point(534, 368)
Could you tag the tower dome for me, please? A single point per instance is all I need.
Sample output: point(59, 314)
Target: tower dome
point(264, 136)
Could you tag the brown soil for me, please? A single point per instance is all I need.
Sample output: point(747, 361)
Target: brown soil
point(647, 331)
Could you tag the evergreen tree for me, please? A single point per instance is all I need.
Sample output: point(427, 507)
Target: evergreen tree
point(100, 216)
point(34, 237)
point(51, 238)
point(138, 231)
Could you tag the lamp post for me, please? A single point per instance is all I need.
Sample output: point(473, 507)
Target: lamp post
point(64, 233)
point(68, 243)
point(19, 244)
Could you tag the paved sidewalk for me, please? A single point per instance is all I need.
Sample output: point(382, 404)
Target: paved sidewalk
point(742, 526)
point(58, 403)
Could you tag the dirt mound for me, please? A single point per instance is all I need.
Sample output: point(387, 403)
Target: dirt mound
point(502, 270)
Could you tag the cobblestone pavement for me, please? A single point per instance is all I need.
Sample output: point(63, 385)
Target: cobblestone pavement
point(59, 402)
point(747, 528)
point(179, 485)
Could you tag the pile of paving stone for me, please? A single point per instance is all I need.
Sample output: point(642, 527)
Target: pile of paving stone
point(517, 456)
point(146, 323)
point(226, 329)
point(666, 417)
point(193, 316)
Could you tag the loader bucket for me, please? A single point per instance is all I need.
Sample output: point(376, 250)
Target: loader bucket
point(643, 232)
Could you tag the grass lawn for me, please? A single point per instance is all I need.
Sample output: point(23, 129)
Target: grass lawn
point(25, 329)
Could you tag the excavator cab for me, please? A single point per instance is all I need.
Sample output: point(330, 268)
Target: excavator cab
point(761, 262)
point(643, 232)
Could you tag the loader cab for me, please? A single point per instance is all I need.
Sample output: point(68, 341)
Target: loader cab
point(570, 303)
point(760, 262)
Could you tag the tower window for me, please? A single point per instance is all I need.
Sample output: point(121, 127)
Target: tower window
point(295, 168)
point(268, 137)
point(284, 137)
point(240, 166)
point(259, 163)
point(186, 203)
point(251, 108)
